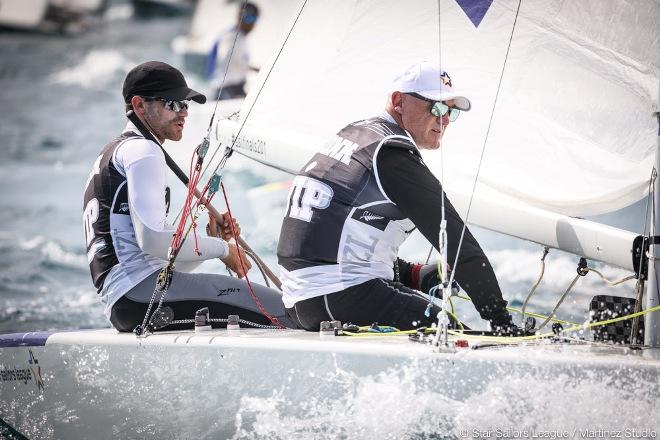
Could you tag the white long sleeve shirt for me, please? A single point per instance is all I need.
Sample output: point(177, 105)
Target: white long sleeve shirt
point(141, 241)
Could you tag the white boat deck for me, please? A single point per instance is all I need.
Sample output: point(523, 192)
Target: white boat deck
point(376, 345)
point(295, 384)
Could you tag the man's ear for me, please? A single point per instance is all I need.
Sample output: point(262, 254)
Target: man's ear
point(397, 99)
point(138, 105)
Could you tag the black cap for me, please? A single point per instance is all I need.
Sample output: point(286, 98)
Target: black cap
point(159, 80)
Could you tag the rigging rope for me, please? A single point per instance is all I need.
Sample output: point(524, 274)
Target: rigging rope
point(567, 330)
point(229, 150)
point(535, 286)
point(546, 250)
point(255, 298)
point(611, 283)
point(653, 223)
point(535, 315)
point(582, 271)
point(224, 77)
point(647, 233)
point(509, 339)
point(483, 149)
point(254, 101)
point(561, 300)
point(443, 272)
point(215, 108)
point(443, 318)
point(187, 209)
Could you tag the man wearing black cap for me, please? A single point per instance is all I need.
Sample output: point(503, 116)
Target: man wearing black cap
point(126, 204)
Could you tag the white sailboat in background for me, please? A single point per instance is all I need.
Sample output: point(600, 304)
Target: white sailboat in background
point(50, 15)
point(573, 132)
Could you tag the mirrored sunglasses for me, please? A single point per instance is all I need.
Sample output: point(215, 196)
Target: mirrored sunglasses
point(175, 106)
point(439, 108)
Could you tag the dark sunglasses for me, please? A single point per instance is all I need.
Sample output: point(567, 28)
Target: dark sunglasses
point(175, 106)
point(438, 108)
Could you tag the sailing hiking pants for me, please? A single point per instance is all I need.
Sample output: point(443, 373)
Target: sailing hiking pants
point(383, 301)
point(189, 292)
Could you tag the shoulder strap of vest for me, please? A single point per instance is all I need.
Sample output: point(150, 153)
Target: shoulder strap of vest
point(129, 135)
point(403, 142)
point(399, 138)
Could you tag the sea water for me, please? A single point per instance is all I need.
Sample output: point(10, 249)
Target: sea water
point(61, 102)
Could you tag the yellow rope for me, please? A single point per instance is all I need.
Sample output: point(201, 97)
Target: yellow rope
point(577, 327)
point(508, 339)
point(535, 315)
point(538, 315)
point(613, 320)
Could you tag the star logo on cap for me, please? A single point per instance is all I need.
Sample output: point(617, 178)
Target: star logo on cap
point(446, 80)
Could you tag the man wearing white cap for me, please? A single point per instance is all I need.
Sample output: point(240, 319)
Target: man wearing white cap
point(358, 199)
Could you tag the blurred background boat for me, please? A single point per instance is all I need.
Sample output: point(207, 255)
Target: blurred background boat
point(163, 8)
point(65, 16)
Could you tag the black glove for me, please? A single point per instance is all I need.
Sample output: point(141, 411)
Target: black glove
point(504, 326)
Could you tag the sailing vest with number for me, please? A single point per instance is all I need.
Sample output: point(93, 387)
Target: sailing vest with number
point(340, 228)
point(113, 253)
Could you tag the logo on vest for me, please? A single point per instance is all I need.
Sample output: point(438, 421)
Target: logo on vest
point(123, 208)
point(340, 149)
point(368, 216)
point(371, 219)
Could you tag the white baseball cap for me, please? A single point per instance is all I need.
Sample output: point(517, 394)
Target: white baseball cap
point(428, 80)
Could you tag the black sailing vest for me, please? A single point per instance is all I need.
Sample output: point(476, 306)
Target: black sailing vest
point(106, 214)
point(340, 229)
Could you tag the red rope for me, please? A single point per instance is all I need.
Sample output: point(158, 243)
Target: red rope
point(255, 298)
point(177, 239)
point(197, 174)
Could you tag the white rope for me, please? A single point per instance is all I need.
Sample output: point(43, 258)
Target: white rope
point(483, 149)
point(546, 250)
point(612, 283)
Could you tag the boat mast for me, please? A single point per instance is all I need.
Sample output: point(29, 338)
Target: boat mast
point(652, 320)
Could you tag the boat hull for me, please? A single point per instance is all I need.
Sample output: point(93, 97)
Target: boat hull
point(277, 384)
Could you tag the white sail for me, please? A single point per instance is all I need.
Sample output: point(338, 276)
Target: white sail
point(572, 131)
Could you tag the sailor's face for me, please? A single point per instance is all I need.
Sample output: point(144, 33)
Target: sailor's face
point(425, 128)
point(246, 28)
point(166, 123)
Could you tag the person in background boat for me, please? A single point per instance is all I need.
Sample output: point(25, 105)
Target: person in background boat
point(359, 198)
point(125, 207)
point(229, 59)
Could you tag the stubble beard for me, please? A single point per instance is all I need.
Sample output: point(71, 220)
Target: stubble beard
point(164, 129)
